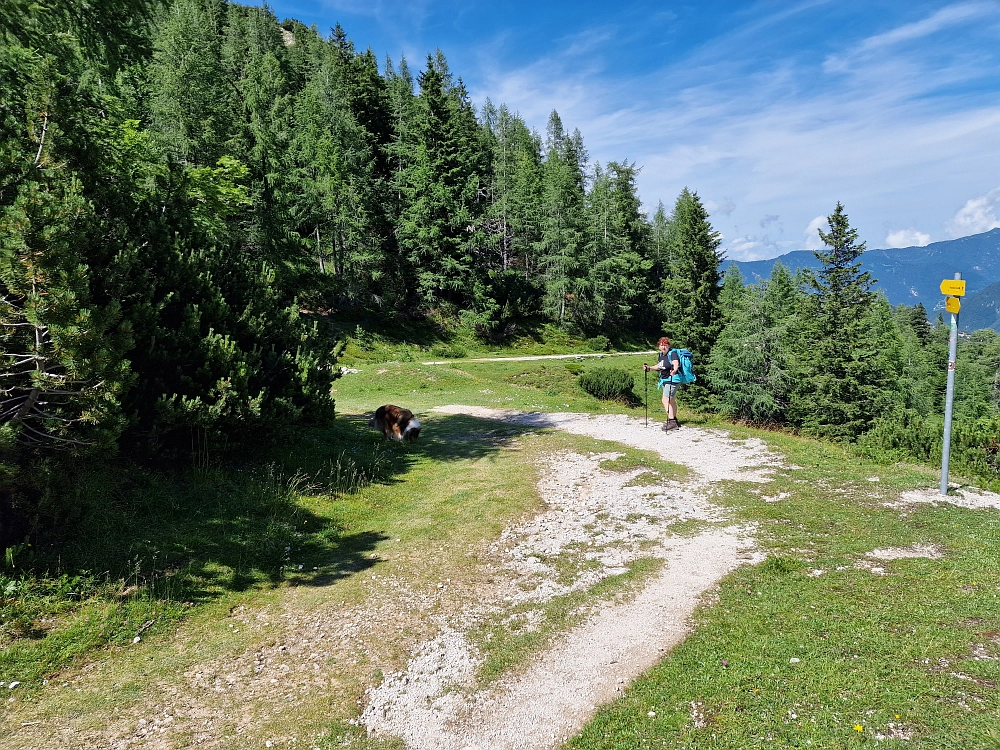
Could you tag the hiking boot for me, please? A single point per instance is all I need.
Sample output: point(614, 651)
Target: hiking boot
point(671, 425)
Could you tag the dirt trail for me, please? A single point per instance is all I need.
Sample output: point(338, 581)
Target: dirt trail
point(436, 703)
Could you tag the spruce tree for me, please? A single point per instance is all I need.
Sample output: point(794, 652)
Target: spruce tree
point(749, 367)
point(848, 347)
point(689, 296)
point(513, 218)
point(613, 294)
point(563, 219)
point(924, 365)
point(192, 104)
point(659, 245)
point(441, 187)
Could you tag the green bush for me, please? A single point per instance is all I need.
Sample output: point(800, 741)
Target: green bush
point(597, 343)
point(975, 445)
point(450, 351)
point(609, 384)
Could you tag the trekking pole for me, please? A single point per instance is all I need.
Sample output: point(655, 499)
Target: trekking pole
point(645, 401)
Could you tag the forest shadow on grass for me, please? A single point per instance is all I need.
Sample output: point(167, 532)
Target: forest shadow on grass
point(232, 527)
point(144, 547)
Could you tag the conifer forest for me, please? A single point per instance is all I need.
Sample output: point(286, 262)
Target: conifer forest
point(196, 195)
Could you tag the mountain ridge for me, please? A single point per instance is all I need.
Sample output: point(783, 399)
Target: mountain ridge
point(909, 275)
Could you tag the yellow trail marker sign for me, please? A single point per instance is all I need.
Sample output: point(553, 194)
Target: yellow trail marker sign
point(954, 287)
point(953, 305)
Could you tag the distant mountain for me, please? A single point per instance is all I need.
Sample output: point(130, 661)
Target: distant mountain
point(982, 309)
point(913, 274)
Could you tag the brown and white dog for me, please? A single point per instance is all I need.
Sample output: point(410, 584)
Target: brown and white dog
point(395, 423)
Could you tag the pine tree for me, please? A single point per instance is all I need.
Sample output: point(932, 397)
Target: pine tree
point(749, 367)
point(563, 218)
point(62, 355)
point(689, 297)
point(849, 348)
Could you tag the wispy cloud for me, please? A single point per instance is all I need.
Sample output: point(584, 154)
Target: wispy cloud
point(945, 18)
point(893, 140)
point(725, 207)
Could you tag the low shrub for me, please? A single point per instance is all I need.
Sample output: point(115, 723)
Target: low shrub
point(450, 351)
point(609, 384)
point(975, 444)
point(597, 343)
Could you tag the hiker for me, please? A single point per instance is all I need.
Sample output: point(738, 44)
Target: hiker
point(668, 367)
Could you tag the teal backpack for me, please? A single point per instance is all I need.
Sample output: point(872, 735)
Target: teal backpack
point(686, 373)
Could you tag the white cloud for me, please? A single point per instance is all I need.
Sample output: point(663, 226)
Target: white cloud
point(977, 215)
point(907, 238)
point(741, 246)
point(754, 247)
point(723, 208)
point(813, 242)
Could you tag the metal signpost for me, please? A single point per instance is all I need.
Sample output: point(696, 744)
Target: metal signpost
point(954, 288)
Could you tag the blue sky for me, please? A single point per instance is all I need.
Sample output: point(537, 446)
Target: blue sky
point(771, 111)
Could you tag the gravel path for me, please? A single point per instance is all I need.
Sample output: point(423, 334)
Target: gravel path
point(437, 703)
point(711, 453)
point(536, 357)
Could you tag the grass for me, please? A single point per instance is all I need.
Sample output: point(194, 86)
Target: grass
point(422, 516)
point(376, 340)
point(656, 469)
point(184, 551)
point(335, 511)
point(785, 657)
point(527, 386)
point(148, 548)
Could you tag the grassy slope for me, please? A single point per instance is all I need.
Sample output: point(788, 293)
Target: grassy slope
point(383, 340)
point(182, 554)
point(870, 647)
point(877, 655)
point(889, 655)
